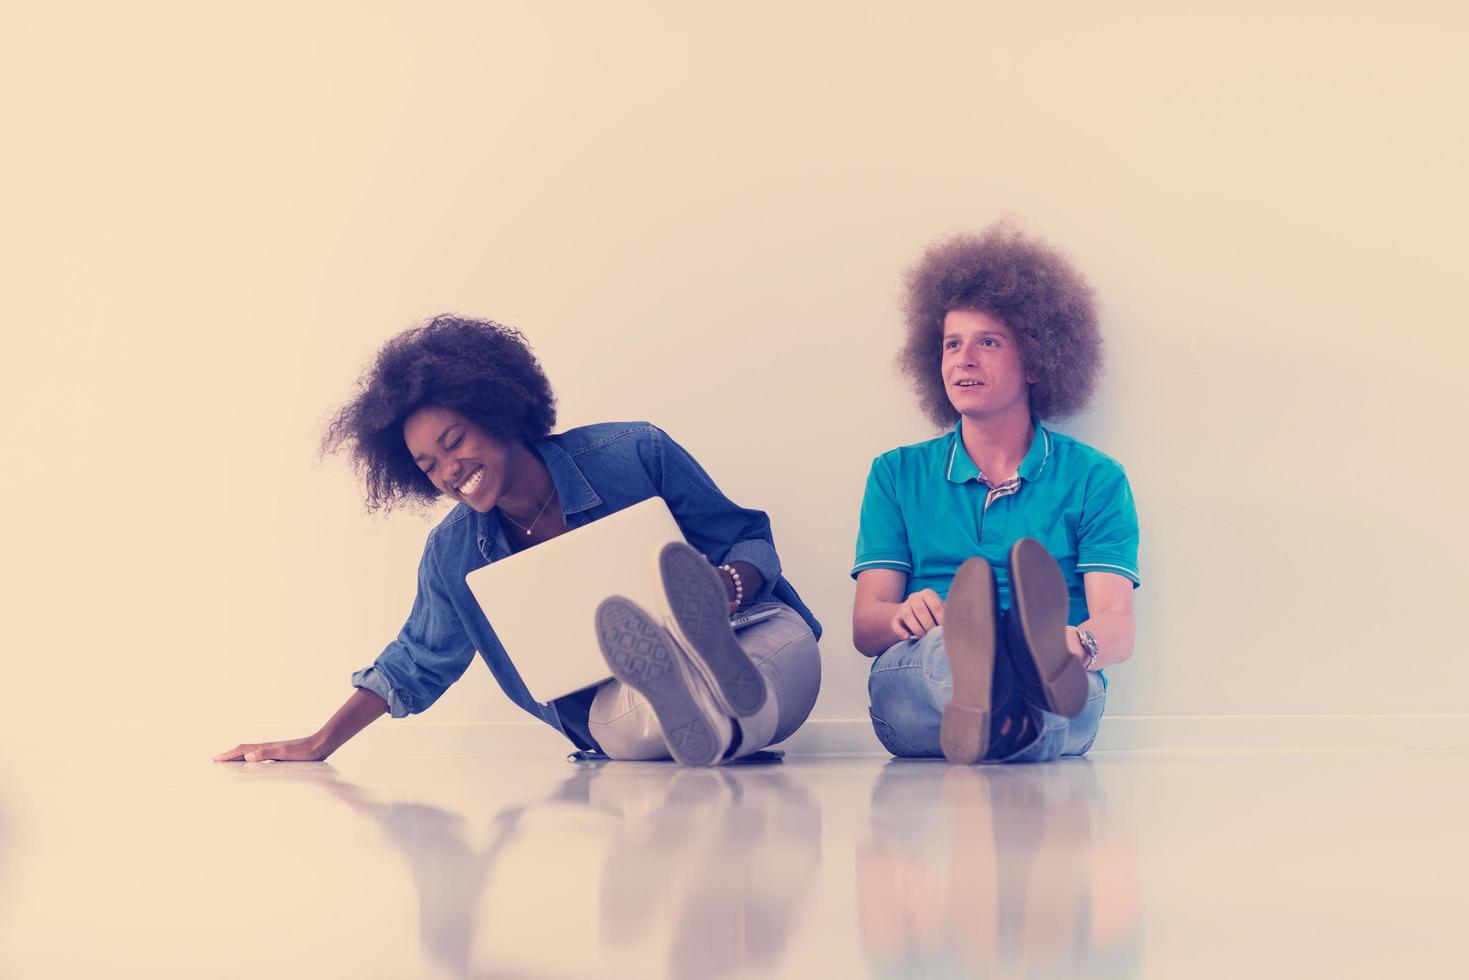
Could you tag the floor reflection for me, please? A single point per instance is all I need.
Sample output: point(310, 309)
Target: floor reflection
point(623, 869)
point(725, 856)
point(996, 871)
point(446, 859)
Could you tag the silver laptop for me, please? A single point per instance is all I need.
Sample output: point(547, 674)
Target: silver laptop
point(542, 602)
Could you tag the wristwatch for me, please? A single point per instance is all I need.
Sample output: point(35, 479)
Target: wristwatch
point(1088, 644)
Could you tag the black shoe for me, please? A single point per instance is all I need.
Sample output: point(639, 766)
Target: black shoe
point(1035, 631)
point(970, 643)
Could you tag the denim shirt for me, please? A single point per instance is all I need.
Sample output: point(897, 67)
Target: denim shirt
point(597, 470)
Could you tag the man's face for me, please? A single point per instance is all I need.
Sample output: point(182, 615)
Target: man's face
point(461, 459)
point(983, 374)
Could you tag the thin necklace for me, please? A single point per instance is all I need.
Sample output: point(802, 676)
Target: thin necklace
point(536, 519)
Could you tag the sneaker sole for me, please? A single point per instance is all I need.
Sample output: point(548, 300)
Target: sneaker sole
point(1041, 603)
point(700, 607)
point(641, 655)
point(969, 641)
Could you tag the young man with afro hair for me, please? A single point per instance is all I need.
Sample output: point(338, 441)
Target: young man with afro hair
point(995, 563)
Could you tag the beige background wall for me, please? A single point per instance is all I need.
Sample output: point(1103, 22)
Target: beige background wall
point(212, 216)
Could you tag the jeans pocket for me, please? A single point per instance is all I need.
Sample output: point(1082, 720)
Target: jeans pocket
point(891, 740)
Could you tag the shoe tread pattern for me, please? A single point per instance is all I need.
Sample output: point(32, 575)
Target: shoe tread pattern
point(641, 655)
point(699, 602)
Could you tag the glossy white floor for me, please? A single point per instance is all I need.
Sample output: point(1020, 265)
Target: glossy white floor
point(146, 859)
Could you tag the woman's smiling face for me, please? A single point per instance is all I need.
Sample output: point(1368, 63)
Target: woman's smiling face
point(459, 458)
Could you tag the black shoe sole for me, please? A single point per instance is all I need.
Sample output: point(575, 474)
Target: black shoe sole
point(969, 642)
point(1040, 602)
point(641, 655)
point(700, 606)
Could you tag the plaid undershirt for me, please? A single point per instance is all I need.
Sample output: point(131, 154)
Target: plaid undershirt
point(999, 490)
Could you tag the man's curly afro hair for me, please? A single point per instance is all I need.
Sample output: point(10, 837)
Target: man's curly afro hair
point(480, 369)
point(1026, 285)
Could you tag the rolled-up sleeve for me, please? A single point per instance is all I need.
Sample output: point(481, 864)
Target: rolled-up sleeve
point(431, 651)
point(374, 680)
point(714, 524)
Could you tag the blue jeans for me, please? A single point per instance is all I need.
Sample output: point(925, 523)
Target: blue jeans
point(910, 685)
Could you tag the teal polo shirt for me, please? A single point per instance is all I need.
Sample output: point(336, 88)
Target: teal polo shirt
point(927, 509)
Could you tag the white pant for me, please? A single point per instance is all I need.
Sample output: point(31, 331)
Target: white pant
point(782, 649)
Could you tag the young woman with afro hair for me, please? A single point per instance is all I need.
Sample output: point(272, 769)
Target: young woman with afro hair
point(995, 563)
point(460, 408)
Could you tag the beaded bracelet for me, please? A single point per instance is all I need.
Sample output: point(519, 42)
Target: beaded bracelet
point(739, 598)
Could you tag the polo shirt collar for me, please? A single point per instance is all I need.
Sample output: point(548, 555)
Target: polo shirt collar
point(961, 469)
point(1035, 460)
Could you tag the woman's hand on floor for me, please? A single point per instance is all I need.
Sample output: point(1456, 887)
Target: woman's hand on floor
point(359, 711)
point(295, 750)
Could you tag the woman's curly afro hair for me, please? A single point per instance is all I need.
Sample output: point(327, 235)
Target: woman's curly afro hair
point(1026, 285)
point(480, 369)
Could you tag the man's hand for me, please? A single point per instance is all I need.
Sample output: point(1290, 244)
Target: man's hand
point(917, 614)
point(295, 750)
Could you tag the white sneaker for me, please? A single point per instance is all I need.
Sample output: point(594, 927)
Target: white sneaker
point(697, 615)
point(643, 656)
